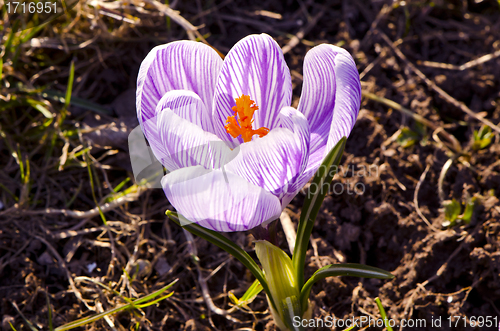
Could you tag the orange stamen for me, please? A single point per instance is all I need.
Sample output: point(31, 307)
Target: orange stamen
point(245, 107)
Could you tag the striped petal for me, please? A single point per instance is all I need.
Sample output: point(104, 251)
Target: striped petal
point(255, 66)
point(330, 100)
point(186, 105)
point(189, 106)
point(179, 143)
point(219, 200)
point(179, 65)
point(293, 120)
point(272, 162)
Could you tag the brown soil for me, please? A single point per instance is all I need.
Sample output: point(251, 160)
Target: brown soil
point(440, 272)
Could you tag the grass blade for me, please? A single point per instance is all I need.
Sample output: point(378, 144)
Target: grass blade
point(89, 105)
point(67, 98)
point(8, 43)
point(132, 304)
point(31, 326)
point(92, 187)
point(383, 314)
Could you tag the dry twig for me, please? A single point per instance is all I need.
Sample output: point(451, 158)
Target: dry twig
point(191, 31)
point(415, 199)
point(465, 66)
point(442, 175)
point(63, 266)
point(436, 88)
point(203, 281)
point(89, 213)
point(386, 9)
point(294, 41)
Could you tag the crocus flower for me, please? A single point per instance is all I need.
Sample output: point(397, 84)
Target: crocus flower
point(236, 152)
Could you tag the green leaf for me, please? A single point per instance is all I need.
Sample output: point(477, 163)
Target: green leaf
point(23, 39)
point(484, 131)
point(383, 314)
point(8, 43)
point(249, 295)
point(312, 203)
point(420, 129)
point(89, 105)
point(469, 210)
point(222, 242)
point(119, 186)
point(70, 85)
point(49, 311)
point(482, 138)
point(40, 106)
point(344, 269)
point(280, 276)
point(290, 308)
point(452, 209)
point(407, 138)
point(252, 291)
point(30, 325)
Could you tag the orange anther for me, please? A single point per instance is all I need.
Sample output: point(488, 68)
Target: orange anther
point(244, 109)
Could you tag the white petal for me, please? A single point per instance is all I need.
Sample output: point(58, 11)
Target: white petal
point(219, 200)
point(178, 143)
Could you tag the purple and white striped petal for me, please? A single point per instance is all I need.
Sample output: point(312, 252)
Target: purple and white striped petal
point(330, 99)
point(293, 120)
point(272, 162)
point(178, 143)
point(255, 66)
point(347, 97)
point(219, 200)
point(189, 106)
point(179, 65)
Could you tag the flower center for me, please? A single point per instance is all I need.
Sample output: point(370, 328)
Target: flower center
point(244, 109)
